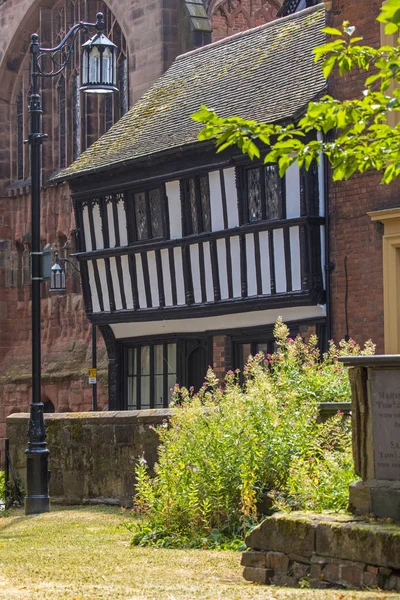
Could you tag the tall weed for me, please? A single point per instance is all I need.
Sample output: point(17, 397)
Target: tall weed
point(227, 450)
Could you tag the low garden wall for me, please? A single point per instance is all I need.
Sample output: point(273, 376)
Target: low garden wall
point(92, 455)
point(322, 551)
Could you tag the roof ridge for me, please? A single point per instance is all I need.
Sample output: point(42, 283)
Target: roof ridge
point(240, 34)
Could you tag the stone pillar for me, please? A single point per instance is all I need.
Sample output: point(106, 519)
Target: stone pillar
point(375, 387)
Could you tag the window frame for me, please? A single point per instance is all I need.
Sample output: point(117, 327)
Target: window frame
point(151, 344)
point(133, 238)
point(187, 222)
point(243, 193)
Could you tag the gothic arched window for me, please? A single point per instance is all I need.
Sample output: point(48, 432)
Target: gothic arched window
point(71, 121)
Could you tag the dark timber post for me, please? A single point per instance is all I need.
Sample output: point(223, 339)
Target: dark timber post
point(94, 366)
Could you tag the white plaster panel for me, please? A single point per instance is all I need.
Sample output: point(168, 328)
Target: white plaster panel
point(223, 276)
point(235, 255)
point(265, 266)
point(93, 289)
point(123, 234)
point(151, 261)
point(111, 226)
point(294, 235)
point(127, 282)
point(231, 197)
point(97, 227)
point(180, 285)
point(174, 209)
point(166, 277)
point(251, 265)
point(101, 265)
point(195, 264)
point(115, 282)
point(86, 229)
point(140, 282)
point(279, 261)
point(292, 178)
point(217, 214)
point(220, 322)
point(208, 272)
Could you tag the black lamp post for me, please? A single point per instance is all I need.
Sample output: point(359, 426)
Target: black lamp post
point(99, 57)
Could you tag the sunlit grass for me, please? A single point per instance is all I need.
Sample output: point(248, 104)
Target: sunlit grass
point(84, 553)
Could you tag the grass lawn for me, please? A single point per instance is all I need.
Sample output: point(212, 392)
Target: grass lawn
point(83, 553)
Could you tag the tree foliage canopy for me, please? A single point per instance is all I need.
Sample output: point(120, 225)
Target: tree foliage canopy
point(355, 135)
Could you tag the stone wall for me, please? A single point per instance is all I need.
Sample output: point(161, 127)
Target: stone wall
point(322, 551)
point(92, 455)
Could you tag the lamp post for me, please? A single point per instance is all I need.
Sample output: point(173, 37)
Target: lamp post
point(98, 76)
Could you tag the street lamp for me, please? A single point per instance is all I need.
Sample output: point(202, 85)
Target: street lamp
point(99, 58)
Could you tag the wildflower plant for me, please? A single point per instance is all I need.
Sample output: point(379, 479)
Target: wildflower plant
point(228, 449)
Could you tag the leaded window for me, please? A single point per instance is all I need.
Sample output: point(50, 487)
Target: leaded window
point(151, 375)
point(79, 121)
point(195, 194)
point(262, 194)
point(147, 217)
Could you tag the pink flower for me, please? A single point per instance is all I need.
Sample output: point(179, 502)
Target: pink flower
point(329, 447)
point(165, 420)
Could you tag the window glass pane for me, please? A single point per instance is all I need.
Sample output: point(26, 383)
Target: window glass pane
point(171, 358)
point(145, 360)
point(246, 352)
point(141, 218)
point(158, 391)
point(273, 192)
point(132, 361)
point(156, 213)
point(262, 348)
point(205, 202)
point(254, 194)
point(194, 224)
point(158, 359)
point(145, 391)
point(171, 383)
point(132, 395)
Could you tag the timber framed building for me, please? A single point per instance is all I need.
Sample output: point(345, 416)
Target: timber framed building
point(187, 256)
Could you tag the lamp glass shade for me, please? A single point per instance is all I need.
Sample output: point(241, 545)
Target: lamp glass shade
point(57, 280)
point(99, 62)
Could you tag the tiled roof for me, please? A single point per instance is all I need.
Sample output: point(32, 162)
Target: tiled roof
point(267, 73)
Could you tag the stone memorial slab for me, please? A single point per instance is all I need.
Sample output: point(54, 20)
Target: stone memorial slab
point(385, 404)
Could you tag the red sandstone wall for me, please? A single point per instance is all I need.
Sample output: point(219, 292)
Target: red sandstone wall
point(353, 235)
point(231, 16)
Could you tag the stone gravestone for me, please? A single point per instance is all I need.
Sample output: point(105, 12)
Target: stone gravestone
point(375, 385)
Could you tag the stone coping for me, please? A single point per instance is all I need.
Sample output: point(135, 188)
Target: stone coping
point(122, 416)
point(339, 536)
point(377, 360)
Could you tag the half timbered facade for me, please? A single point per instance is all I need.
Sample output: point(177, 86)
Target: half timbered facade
point(187, 256)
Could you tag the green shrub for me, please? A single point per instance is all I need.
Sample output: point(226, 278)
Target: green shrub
point(227, 450)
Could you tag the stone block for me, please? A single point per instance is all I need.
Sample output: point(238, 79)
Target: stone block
point(331, 572)
point(253, 559)
point(316, 571)
point(282, 532)
point(351, 576)
point(257, 575)
point(379, 544)
point(277, 561)
point(299, 570)
point(370, 579)
point(124, 434)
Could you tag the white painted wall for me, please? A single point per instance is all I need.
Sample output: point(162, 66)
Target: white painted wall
point(231, 197)
point(166, 277)
point(195, 264)
point(101, 265)
point(217, 213)
point(127, 282)
point(292, 178)
point(226, 321)
point(295, 258)
point(174, 209)
point(279, 261)
point(97, 227)
point(251, 266)
point(93, 289)
point(86, 229)
point(151, 261)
